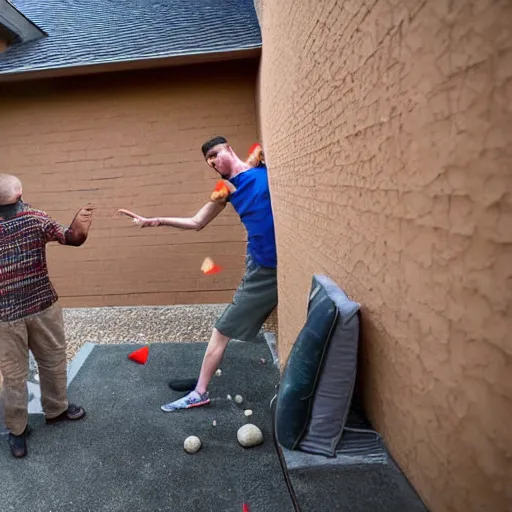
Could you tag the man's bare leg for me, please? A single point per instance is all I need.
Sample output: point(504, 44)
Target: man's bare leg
point(212, 359)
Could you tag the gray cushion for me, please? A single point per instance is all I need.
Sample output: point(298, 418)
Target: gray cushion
point(333, 393)
point(302, 371)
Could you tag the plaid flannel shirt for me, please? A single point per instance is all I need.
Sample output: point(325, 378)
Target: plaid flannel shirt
point(25, 287)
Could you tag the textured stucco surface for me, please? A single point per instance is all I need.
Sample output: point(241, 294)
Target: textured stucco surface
point(132, 141)
point(387, 130)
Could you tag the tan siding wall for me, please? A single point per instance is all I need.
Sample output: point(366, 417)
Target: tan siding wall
point(132, 141)
point(386, 127)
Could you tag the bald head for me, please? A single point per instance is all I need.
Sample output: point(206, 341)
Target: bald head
point(10, 189)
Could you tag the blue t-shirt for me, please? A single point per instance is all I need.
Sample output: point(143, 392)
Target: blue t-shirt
point(251, 201)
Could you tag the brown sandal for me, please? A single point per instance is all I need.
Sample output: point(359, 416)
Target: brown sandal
point(72, 413)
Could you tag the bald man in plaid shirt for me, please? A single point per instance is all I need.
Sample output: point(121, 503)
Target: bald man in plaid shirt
point(30, 315)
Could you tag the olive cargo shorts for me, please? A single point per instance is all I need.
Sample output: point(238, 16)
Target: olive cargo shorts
point(254, 300)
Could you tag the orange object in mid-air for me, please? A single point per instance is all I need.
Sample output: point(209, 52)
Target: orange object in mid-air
point(255, 146)
point(222, 190)
point(255, 157)
point(208, 267)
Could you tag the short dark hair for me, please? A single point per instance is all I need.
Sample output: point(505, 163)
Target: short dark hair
point(212, 142)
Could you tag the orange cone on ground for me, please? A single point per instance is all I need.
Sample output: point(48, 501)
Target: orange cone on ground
point(140, 355)
point(245, 507)
point(208, 267)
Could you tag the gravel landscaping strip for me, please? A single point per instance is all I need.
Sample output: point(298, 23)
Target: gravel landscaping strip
point(143, 324)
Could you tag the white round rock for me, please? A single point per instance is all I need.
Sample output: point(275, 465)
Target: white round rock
point(192, 444)
point(239, 399)
point(249, 435)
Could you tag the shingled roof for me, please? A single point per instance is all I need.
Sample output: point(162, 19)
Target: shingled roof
point(98, 32)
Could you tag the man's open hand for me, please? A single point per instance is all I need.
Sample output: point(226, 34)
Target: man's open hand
point(85, 213)
point(140, 221)
point(79, 229)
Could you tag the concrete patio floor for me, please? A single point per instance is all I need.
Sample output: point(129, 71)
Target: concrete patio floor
point(127, 455)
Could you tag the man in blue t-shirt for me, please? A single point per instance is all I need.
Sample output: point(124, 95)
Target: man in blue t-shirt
point(256, 297)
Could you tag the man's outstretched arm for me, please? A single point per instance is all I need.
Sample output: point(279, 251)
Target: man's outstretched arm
point(200, 220)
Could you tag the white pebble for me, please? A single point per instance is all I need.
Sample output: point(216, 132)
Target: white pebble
point(248, 412)
point(218, 373)
point(192, 444)
point(229, 397)
point(239, 399)
point(249, 435)
point(263, 361)
point(214, 423)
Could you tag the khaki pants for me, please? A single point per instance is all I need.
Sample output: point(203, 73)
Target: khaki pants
point(43, 334)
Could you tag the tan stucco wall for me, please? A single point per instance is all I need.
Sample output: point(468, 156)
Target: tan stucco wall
point(133, 141)
point(387, 130)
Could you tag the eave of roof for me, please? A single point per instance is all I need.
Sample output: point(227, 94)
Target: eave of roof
point(132, 65)
point(18, 24)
